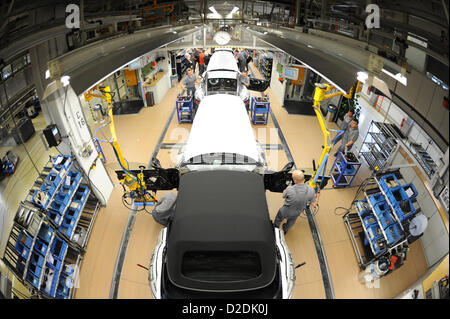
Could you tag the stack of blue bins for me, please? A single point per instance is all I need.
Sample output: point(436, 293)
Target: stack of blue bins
point(23, 244)
point(58, 250)
point(72, 213)
point(37, 255)
point(374, 233)
point(62, 199)
point(397, 195)
point(383, 211)
point(65, 282)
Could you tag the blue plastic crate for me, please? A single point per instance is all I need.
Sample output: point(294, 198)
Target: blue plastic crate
point(40, 247)
point(64, 285)
point(37, 259)
point(376, 198)
point(35, 270)
point(32, 279)
point(48, 284)
point(379, 246)
point(55, 216)
point(383, 212)
point(72, 213)
point(55, 264)
point(53, 179)
point(81, 194)
point(62, 197)
point(63, 160)
point(58, 248)
point(45, 233)
point(394, 233)
point(67, 270)
point(396, 194)
point(412, 188)
point(387, 178)
point(25, 239)
point(74, 177)
point(69, 222)
point(49, 191)
point(58, 206)
point(364, 208)
point(405, 210)
point(61, 296)
point(374, 232)
point(22, 250)
point(66, 230)
point(369, 220)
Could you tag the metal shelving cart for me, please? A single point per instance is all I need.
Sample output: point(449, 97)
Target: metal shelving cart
point(424, 159)
point(184, 106)
point(379, 144)
point(259, 110)
point(344, 169)
point(378, 227)
point(43, 257)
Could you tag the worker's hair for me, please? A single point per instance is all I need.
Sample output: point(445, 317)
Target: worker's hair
point(188, 69)
point(356, 120)
point(352, 111)
point(298, 176)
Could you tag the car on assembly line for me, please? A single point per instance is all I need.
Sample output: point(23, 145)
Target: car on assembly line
point(221, 242)
point(221, 137)
point(222, 76)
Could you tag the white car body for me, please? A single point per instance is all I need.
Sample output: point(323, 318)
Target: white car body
point(222, 67)
point(222, 126)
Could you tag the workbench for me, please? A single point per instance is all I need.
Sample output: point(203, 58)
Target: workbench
point(158, 84)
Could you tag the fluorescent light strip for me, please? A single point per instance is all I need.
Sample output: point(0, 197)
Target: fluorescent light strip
point(399, 77)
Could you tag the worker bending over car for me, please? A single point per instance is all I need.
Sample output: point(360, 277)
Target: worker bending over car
point(164, 209)
point(296, 197)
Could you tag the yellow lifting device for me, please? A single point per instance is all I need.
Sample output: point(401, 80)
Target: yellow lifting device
point(320, 95)
point(135, 183)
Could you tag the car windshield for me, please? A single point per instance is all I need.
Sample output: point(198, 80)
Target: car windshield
point(221, 266)
point(221, 159)
point(221, 85)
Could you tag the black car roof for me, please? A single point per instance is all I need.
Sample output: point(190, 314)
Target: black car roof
point(221, 210)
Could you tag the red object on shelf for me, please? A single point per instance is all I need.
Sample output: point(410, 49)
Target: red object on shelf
point(393, 261)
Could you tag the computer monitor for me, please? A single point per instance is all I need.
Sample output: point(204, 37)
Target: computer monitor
point(291, 73)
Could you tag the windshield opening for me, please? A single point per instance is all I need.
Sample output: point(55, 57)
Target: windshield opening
point(222, 84)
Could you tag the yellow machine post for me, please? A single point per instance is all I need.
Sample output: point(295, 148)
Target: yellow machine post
point(319, 96)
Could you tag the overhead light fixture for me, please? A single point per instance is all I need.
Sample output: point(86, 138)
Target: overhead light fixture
point(213, 10)
point(174, 32)
point(47, 74)
point(310, 46)
point(362, 76)
point(265, 32)
point(399, 77)
point(230, 15)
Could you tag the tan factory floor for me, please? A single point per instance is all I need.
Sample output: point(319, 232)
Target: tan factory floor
point(138, 135)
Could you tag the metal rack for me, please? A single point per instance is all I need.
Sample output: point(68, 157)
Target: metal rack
point(424, 159)
point(259, 110)
point(344, 170)
point(358, 230)
point(379, 144)
point(68, 250)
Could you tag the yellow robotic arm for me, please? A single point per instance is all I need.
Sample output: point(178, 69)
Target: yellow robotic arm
point(135, 183)
point(319, 96)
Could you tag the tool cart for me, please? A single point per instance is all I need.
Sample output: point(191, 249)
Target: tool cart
point(344, 169)
point(184, 105)
point(51, 229)
point(259, 110)
point(381, 225)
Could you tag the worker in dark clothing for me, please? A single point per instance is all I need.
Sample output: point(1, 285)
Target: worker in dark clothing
point(164, 209)
point(349, 138)
point(346, 123)
point(206, 58)
point(195, 58)
point(242, 61)
point(296, 197)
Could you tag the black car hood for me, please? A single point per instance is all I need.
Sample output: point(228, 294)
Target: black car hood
point(221, 211)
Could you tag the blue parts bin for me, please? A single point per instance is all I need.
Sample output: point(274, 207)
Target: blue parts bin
point(37, 259)
point(58, 248)
point(23, 244)
point(64, 285)
point(54, 216)
point(32, 279)
point(394, 234)
point(40, 247)
point(388, 181)
point(45, 233)
point(405, 210)
point(376, 198)
point(62, 162)
point(383, 212)
point(81, 194)
point(369, 220)
point(410, 188)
